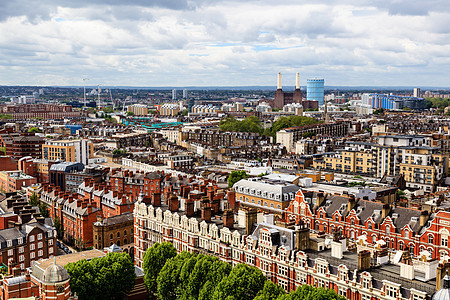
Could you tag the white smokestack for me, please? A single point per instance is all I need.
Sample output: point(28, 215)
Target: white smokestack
point(297, 81)
point(279, 81)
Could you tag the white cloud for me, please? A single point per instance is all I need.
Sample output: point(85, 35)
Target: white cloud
point(182, 43)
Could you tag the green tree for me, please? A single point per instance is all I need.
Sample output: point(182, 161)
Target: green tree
point(59, 227)
point(44, 210)
point(6, 116)
point(235, 176)
point(34, 200)
point(154, 260)
point(286, 122)
point(102, 278)
point(207, 271)
point(244, 282)
point(33, 130)
point(270, 291)
point(308, 292)
point(249, 124)
point(168, 280)
point(130, 113)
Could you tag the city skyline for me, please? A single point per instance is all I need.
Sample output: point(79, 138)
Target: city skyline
point(182, 44)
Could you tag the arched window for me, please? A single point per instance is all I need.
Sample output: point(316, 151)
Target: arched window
point(278, 206)
point(118, 234)
point(111, 236)
point(336, 218)
point(118, 243)
point(125, 233)
point(265, 203)
point(430, 239)
point(125, 241)
point(400, 245)
point(325, 227)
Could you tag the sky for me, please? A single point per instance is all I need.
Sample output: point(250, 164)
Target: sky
point(186, 43)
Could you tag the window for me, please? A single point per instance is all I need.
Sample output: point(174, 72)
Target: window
point(407, 234)
point(50, 250)
point(31, 238)
point(40, 244)
point(125, 233)
point(40, 236)
point(118, 234)
point(444, 241)
point(283, 271)
point(391, 291)
point(31, 246)
point(32, 255)
point(249, 259)
point(21, 258)
point(283, 284)
point(21, 249)
point(111, 236)
point(430, 239)
point(342, 291)
point(322, 269)
point(50, 242)
point(366, 282)
point(10, 252)
point(365, 297)
point(40, 253)
point(388, 230)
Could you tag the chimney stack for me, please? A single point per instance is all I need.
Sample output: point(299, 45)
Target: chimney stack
point(206, 213)
point(189, 208)
point(279, 81)
point(363, 260)
point(174, 204)
point(385, 211)
point(250, 218)
point(423, 218)
point(351, 203)
point(228, 219)
point(156, 199)
point(297, 81)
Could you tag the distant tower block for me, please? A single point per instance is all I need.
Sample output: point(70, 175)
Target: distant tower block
point(185, 93)
point(297, 81)
point(416, 92)
point(279, 81)
point(174, 94)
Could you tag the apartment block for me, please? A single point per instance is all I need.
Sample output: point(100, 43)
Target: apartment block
point(68, 150)
point(138, 109)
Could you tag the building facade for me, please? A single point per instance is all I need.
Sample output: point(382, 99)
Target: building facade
point(315, 90)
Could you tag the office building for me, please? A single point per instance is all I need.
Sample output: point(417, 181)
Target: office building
point(393, 102)
point(185, 93)
point(315, 90)
point(68, 150)
point(174, 94)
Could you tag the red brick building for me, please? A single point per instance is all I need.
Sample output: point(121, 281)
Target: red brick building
point(7, 163)
point(23, 144)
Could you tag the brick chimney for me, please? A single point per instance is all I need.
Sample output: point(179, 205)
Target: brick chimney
point(228, 218)
point(351, 203)
point(124, 200)
point(232, 200)
point(423, 218)
point(189, 208)
point(210, 194)
point(363, 260)
point(385, 211)
point(206, 213)
point(156, 199)
point(78, 203)
point(174, 204)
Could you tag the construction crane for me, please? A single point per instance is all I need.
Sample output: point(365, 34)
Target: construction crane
point(156, 108)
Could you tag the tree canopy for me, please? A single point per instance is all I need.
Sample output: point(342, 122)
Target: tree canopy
point(244, 282)
point(189, 276)
point(102, 278)
point(154, 260)
point(33, 129)
point(286, 122)
point(235, 176)
point(249, 124)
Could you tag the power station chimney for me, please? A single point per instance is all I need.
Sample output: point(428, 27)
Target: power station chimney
point(297, 81)
point(279, 81)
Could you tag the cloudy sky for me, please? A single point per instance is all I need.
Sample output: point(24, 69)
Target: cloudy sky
point(224, 43)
